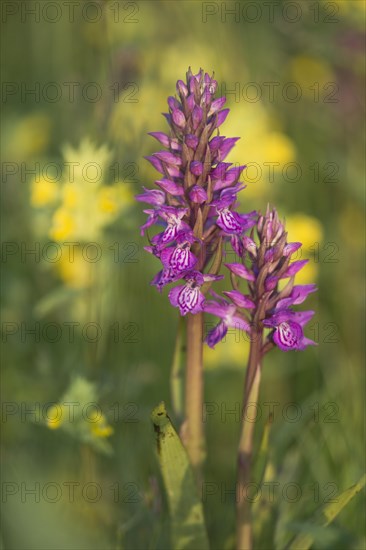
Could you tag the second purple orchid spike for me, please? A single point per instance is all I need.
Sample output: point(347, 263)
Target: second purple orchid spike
point(264, 265)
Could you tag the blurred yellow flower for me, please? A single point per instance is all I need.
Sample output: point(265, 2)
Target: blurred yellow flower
point(308, 231)
point(55, 417)
point(43, 192)
point(311, 74)
point(75, 270)
point(230, 352)
point(69, 195)
point(261, 143)
point(278, 147)
point(85, 421)
point(101, 428)
point(107, 200)
point(85, 204)
point(63, 225)
point(304, 228)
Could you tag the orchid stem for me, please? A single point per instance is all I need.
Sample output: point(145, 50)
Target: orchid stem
point(245, 451)
point(193, 429)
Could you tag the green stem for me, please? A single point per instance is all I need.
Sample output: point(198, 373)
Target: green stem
point(245, 451)
point(193, 435)
point(176, 376)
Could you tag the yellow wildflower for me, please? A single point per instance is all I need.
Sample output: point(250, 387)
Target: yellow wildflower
point(55, 416)
point(63, 225)
point(108, 200)
point(74, 269)
point(43, 192)
point(230, 352)
point(278, 147)
point(70, 195)
point(101, 428)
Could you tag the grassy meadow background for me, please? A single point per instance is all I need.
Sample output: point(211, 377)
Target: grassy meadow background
point(81, 325)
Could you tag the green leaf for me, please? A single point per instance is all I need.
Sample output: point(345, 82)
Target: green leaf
point(176, 373)
point(54, 300)
point(187, 520)
point(262, 457)
point(327, 514)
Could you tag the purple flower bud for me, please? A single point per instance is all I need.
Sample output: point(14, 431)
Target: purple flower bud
point(191, 140)
point(270, 283)
point(215, 143)
point(196, 167)
point(298, 296)
point(290, 248)
point(156, 163)
point(226, 147)
point(170, 158)
point(170, 187)
point(174, 103)
point(221, 117)
point(151, 196)
point(240, 299)
point(161, 137)
point(182, 88)
point(249, 245)
point(178, 118)
point(197, 115)
point(197, 194)
point(190, 103)
point(294, 268)
point(241, 271)
point(216, 105)
point(269, 255)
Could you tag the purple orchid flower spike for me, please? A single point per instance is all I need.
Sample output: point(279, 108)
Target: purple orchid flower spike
point(196, 191)
point(264, 264)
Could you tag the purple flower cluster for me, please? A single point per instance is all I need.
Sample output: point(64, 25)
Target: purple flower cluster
point(264, 265)
point(196, 194)
point(194, 208)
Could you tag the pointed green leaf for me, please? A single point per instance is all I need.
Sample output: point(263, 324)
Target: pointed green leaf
point(327, 514)
point(187, 520)
point(262, 457)
point(176, 373)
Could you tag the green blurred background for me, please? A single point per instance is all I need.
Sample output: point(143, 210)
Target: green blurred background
point(72, 159)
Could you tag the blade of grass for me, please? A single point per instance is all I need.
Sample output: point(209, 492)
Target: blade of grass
point(327, 514)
